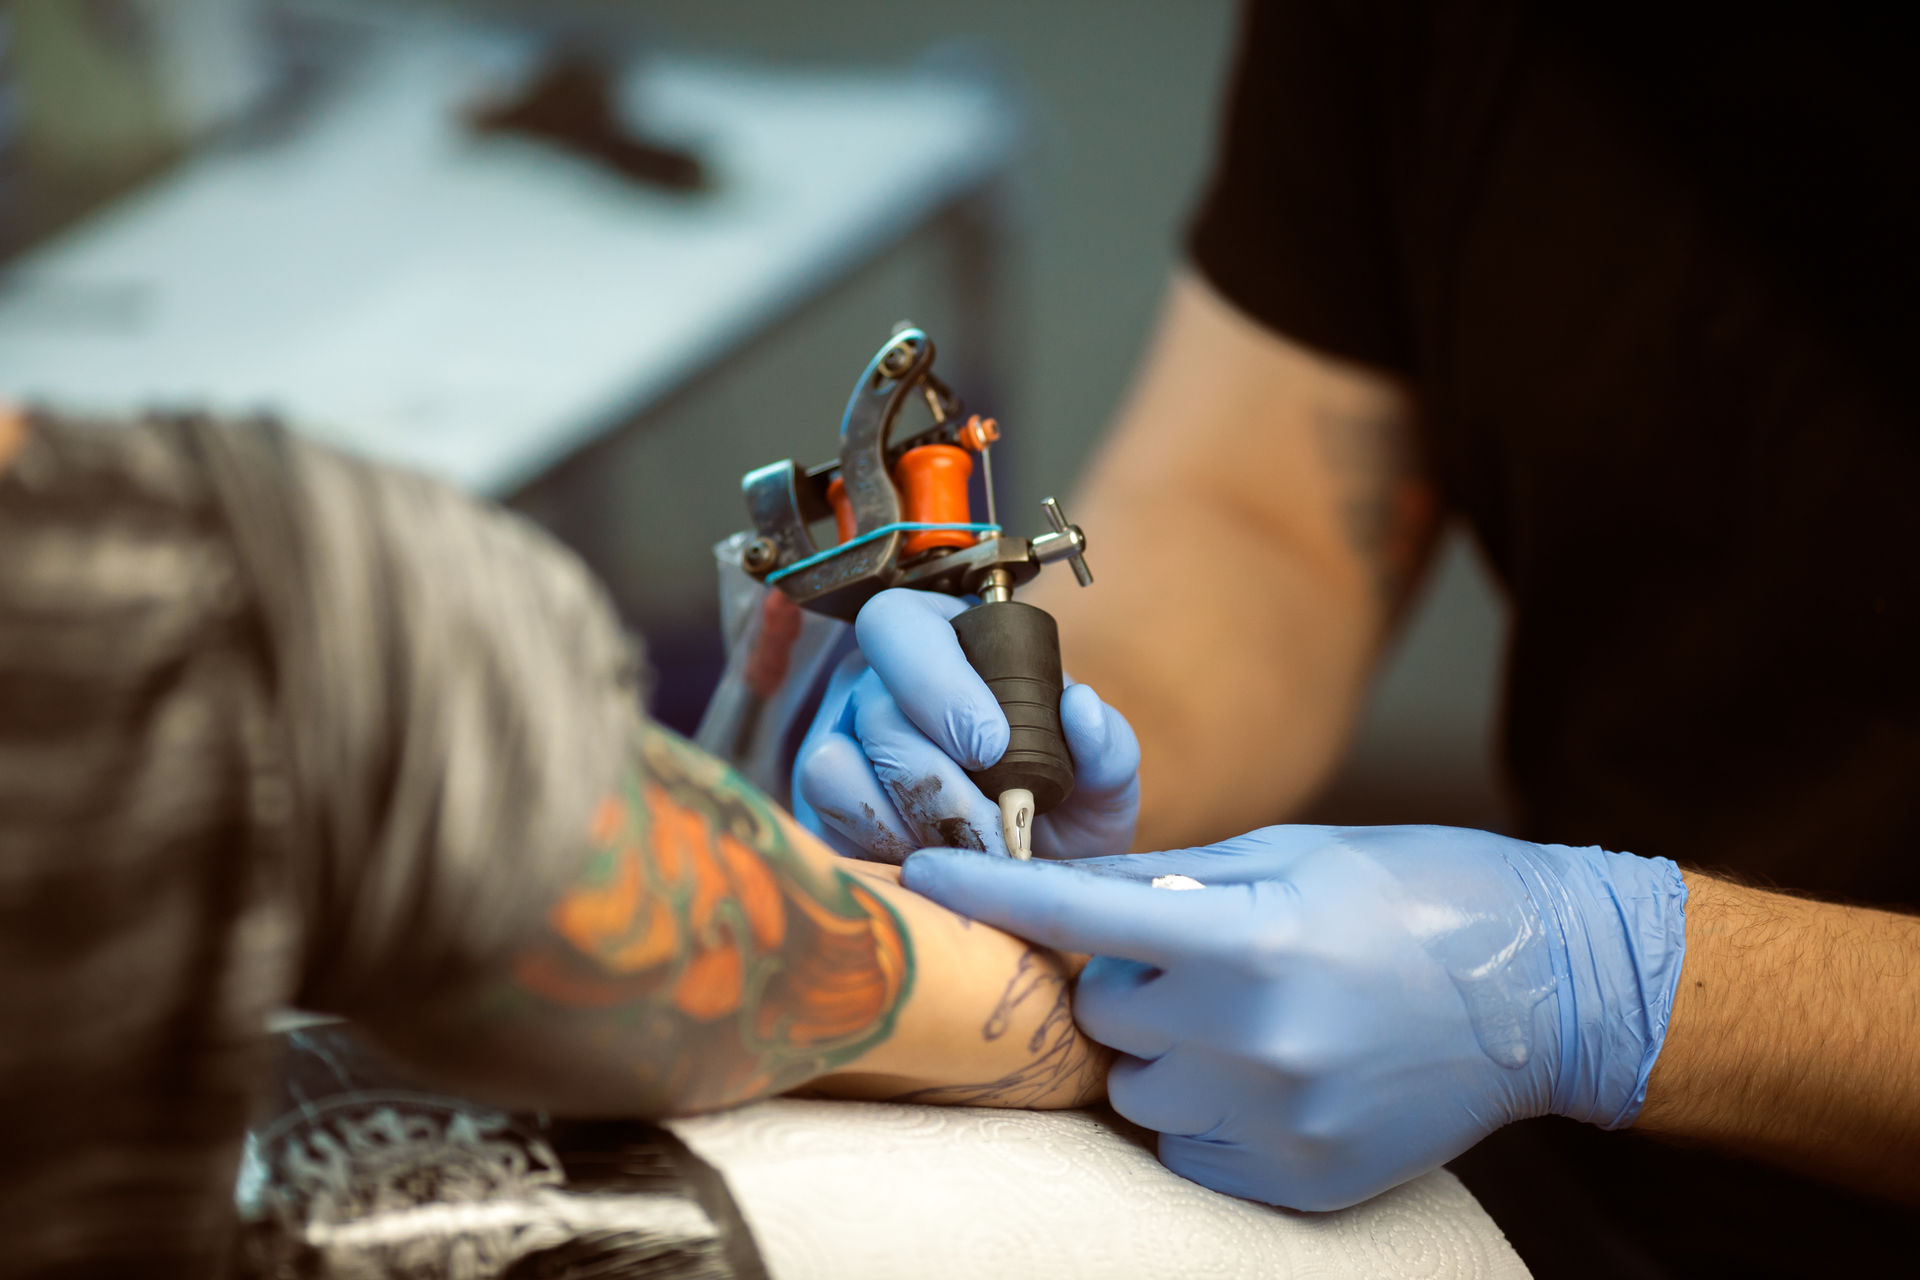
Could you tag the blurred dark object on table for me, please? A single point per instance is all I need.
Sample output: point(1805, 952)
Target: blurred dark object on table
point(570, 104)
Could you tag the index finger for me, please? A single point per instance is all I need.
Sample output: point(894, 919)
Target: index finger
point(908, 639)
point(1067, 907)
point(1271, 853)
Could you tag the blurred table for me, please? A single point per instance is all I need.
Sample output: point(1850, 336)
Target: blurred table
point(483, 308)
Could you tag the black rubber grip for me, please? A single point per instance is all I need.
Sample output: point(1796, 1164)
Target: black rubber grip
point(1016, 649)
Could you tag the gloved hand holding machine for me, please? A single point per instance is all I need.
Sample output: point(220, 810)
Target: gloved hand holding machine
point(1337, 1010)
point(903, 515)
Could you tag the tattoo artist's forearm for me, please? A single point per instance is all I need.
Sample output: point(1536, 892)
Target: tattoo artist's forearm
point(725, 965)
point(1794, 1036)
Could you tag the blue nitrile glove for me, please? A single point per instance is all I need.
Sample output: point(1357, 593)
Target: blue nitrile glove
point(882, 771)
point(1341, 1009)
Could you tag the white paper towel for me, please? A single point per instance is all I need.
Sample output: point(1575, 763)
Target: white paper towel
point(878, 1191)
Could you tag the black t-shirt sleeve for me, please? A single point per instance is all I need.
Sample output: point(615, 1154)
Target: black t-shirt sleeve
point(1295, 227)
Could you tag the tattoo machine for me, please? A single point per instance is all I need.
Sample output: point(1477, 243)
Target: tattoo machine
point(902, 517)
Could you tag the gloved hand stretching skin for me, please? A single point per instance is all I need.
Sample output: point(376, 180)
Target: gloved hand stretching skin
point(1341, 1009)
point(882, 771)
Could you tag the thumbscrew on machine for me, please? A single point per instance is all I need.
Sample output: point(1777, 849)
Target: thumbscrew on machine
point(1066, 542)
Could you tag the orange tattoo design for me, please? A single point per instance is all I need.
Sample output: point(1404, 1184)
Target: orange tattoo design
point(692, 907)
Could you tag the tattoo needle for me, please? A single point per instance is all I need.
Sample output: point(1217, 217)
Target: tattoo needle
point(1016, 821)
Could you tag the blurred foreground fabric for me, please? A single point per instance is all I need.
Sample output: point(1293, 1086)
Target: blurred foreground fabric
point(353, 1174)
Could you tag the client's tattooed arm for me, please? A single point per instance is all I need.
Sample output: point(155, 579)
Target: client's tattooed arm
point(1039, 996)
point(708, 951)
point(695, 921)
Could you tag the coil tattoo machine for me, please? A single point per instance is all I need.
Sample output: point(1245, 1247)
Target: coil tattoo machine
point(902, 517)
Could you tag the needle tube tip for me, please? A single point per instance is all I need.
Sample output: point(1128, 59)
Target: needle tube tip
point(1016, 821)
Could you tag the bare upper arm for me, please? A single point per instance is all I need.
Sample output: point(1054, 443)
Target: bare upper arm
point(1309, 455)
point(1258, 515)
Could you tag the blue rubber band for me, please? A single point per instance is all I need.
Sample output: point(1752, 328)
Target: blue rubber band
point(898, 526)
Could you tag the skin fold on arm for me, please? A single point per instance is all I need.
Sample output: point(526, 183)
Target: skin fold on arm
point(1260, 516)
point(709, 952)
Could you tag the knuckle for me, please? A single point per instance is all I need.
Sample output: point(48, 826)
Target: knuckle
point(984, 742)
point(888, 613)
point(886, 604)
point(812, 774)
point(1265, 932)
point(1318, 1138)
point(824, 764)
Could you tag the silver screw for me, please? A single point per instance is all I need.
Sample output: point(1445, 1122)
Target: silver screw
point(898, 357)
point(759, 556)
point(1076, 539)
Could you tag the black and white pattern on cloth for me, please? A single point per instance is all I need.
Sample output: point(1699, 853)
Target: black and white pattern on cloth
point(359, 1177)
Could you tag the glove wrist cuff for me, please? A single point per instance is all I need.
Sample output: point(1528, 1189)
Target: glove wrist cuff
point(1622, 924)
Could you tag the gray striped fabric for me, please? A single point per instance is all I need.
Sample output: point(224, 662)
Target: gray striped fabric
point(275, 726)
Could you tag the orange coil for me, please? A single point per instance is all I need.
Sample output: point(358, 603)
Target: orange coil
point(842, 509)
point(933, 478)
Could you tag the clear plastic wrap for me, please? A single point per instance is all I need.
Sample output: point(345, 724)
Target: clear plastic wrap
point(779, 658)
